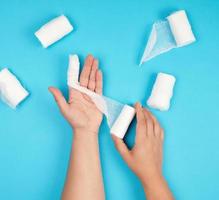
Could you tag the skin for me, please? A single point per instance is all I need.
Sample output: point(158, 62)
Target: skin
point(145, 158)
point(84, 179)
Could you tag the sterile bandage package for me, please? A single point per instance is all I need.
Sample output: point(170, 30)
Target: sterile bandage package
point(54, 30)
point(162, 92)
point(11, 90)
point(167, 34)
point(119, 116)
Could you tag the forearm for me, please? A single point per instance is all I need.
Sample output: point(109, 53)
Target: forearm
point(157, 189)
point(84, 179)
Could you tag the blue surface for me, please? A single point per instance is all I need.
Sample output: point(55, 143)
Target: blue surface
point(35, 140)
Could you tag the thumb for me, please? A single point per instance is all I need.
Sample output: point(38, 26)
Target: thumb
point(122, 148)
point(59, 98)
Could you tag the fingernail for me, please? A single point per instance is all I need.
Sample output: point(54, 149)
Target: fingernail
point(138, 104)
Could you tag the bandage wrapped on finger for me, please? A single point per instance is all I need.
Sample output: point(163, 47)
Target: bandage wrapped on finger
point(54, 30)
point(11, 90)
point(162, 92)
point(119, 116)
point(167, 34)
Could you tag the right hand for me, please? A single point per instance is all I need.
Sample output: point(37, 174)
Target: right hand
point(145, 158)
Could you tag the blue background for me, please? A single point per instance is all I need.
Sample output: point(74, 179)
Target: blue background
point(35, 140)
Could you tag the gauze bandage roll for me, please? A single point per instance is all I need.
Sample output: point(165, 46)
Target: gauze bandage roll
point(167, 34)
point(162, 92)
point(121, 124)
point(181, 28)
point(119, 116)
point(12, 92)
point(54, 30)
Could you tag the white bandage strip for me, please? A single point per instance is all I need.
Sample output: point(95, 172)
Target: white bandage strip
point(12, 92)
point(54, 30)
point(181, 28)
point(110, 108)
point(162, 92)
point(73, 69)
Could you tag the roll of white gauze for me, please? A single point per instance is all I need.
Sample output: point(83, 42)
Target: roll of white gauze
point(122, 123)
point(12, 92)
point(162, 92)
point(181, 28)
point(73, 70)
point(53, 31)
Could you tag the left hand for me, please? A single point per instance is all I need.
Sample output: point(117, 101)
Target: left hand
point(80, 111)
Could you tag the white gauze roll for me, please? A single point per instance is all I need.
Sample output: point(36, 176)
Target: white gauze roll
point(122, 123)
point(181, 28)
point(118, 116)
point(162, 92)
point(54, 30)
point(12, 92)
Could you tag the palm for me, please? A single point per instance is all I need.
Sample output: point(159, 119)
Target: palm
point(82, 111)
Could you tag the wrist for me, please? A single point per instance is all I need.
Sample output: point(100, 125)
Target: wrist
point(152, 181)
point(81, 133)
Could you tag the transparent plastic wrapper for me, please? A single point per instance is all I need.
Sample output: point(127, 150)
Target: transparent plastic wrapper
point(162, 92)
point(11, 90)
point(54, 30)
point(167, 34)
point(119, 116)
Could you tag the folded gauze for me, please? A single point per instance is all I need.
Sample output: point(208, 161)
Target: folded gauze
point(167, 34)
point(162, 92)
point(119, 116)
point(54, 30)
point(11, 90)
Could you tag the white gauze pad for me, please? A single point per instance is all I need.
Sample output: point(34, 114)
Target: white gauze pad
point(12, 92)
point(167, 34)
point(54, 30)
point(162, 92)
point(119, 116)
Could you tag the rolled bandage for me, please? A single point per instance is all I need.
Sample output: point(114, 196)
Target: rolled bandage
point(73, 70)
point(181, 28)
point(12, 92)
point(162, 92)
point(53, 31)
point(173, 32)
point(123, 121)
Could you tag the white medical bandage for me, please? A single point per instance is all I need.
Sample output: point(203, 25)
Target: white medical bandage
point(73, 69)
point(11, 90)
point(181, 28)
point(171, 33)
point(122, 122)
point(119, 116)
point(162, 92)
point(54, 30)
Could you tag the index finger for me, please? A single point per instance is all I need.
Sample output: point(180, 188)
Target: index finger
point(141, 127)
